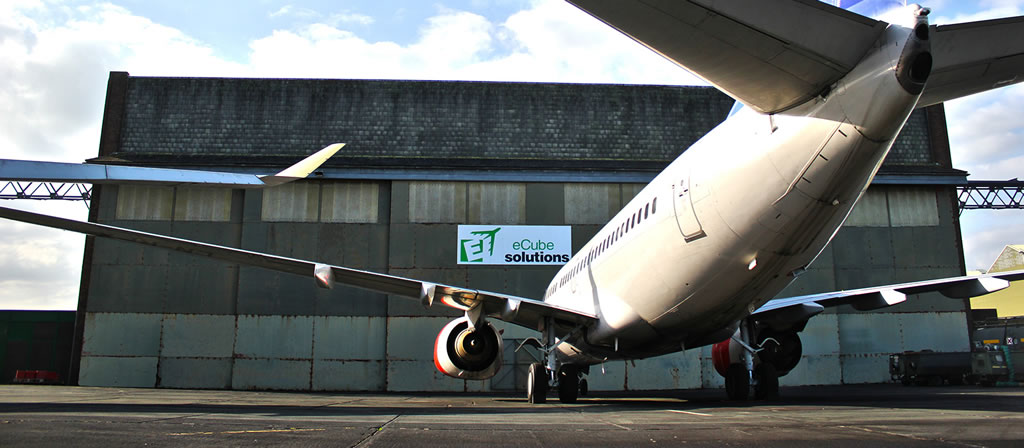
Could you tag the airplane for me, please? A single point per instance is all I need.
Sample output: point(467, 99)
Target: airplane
point(695, 258)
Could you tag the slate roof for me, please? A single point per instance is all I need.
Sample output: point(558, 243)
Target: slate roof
point(196, 121)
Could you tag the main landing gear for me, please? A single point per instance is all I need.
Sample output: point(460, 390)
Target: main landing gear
point(569, 383)
point(567, 378)
point(759, 365)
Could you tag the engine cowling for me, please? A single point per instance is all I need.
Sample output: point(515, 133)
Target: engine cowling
point(467, 354)
point(724, 353)
point(780, 349)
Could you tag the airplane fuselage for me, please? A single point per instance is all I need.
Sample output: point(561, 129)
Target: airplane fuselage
point(736, 217)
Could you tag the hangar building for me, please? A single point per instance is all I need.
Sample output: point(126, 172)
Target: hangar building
point(424, 157)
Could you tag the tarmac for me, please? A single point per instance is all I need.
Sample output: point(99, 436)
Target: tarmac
point(871, 415)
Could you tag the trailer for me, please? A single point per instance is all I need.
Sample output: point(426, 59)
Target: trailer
point(930, 368)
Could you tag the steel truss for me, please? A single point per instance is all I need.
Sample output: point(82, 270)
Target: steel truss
point(992, 195)
point(46, 191)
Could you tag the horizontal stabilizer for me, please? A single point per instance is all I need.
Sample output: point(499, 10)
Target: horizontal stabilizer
point(87, 173)
point(769, 54)
point(974, 57)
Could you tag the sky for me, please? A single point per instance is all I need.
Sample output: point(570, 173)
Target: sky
point(55, 58)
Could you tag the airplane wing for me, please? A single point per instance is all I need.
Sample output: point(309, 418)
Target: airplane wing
point(88, 173)
point(974, 57)
point(769, 54)
point(786, 311)
point(522, 311)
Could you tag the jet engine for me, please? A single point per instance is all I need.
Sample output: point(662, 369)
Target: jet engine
point(466, 353)
point(781, 349)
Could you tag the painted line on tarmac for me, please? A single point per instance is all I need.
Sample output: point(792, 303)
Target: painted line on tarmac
point(690, 412)
point(253, 431)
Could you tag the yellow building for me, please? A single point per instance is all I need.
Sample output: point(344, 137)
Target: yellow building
point(1010, 301)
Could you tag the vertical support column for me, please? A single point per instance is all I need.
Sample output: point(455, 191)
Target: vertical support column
point(110, 142)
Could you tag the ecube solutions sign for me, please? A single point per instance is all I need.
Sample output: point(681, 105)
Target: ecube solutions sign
point(514, 244)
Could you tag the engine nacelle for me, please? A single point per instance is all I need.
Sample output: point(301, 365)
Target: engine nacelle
point(465, 354)
point(782, 349)
point(725, 353)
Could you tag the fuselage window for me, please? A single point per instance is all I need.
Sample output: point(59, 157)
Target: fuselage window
point(647, 210)
point(654, 206)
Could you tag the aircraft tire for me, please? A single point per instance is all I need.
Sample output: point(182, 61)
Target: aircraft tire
point(737, 382)
point(767, 387)
point(537, 384)
point(584, 387)
point(568, 383)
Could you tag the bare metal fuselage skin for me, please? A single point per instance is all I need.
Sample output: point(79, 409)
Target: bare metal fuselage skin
point(737, 216)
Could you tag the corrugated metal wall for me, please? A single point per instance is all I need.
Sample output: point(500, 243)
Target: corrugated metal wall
point(169, 320)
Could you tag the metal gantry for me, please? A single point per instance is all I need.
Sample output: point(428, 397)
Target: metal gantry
point(975, 195)
point(991, 195)
point(46, 191)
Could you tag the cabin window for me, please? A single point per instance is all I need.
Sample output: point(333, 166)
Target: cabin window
point(654, 206)
point(647, 210)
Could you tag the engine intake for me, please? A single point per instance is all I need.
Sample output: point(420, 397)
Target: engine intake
point(464, 353)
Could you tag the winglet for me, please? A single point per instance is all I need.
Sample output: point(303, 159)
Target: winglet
point(303, 168)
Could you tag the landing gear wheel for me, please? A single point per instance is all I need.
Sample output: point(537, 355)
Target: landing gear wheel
point(537, 384)
point(568, 383)
point(583, 387)
point(737, 382)
point(767, 387)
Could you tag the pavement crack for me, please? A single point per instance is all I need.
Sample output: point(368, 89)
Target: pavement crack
point(368, 439)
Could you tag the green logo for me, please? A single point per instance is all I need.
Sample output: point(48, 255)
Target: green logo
point(472, 250)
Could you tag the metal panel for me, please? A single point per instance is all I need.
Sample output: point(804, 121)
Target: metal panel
point(274, 374)
point(202, 204)
point(420, 376)
point(862, 247)
point(814, 370)
point(135, 202)
point(709, 377)
point(872, 210)
point(591, 203)
point(934, 246)
point(122, 334)
point(496, 203)
point(350, 202)
point(275, 337)
point(821, 336)
point(545, 203)
point(349, 338)
point(437, 202)
point(294, 202)
point(608, 376)
point(865, 369)
point(869, 333)
point(349, 375)
point(673, 371)
point(913, 206)
point(629, 191)
point(197, 336)
point(193, 373)
point(104, 371)
point(412, 338)
point(201, 289)
point(139, 289)
point(942, 332)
